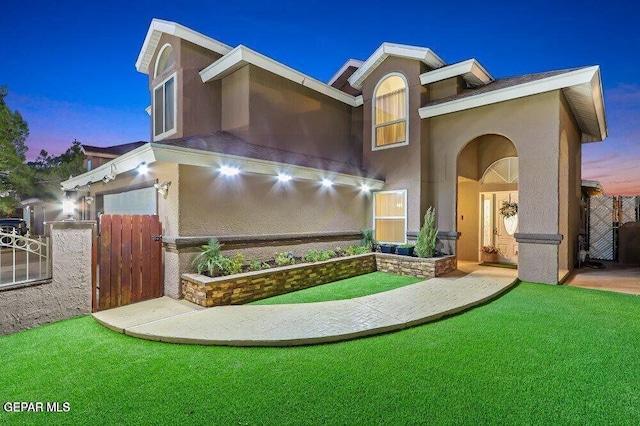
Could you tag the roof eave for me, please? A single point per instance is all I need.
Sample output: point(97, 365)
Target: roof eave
point(471, 70)
point(589, 75)
point(152, 152)
point(159, 26)
point(242, 55)
point(389, 49)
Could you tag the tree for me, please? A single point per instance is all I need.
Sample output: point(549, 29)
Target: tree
point(15, 176)
point(428, 235)
point(51, 170)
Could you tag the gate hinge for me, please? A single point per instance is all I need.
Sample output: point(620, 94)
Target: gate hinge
point(157, 237)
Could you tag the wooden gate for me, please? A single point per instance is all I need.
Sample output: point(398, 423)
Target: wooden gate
point(129, 260)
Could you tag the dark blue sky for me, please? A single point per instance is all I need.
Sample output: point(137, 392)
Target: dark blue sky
point(69, 65)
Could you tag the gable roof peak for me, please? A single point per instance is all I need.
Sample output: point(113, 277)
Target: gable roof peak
point(159, 27)
point(387, 49)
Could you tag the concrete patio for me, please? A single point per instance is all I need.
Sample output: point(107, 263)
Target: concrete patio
point(178, 321)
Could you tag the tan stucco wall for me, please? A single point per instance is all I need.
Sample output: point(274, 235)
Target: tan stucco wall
point(532, 124)
point(468, 220)
point(570, 186)
point(445, 88)
point(198, 104)
point(292, 117)
point(235, 98)
point(66, 295)
point(212, 204)
point(402, 167)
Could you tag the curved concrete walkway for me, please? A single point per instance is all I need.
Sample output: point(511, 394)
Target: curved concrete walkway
point(177, 321)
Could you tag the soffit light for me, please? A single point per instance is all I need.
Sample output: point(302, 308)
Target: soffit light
point(365, 188)
point(283, 177)
point(326, 182)
point(229, 170)
point(143, 169)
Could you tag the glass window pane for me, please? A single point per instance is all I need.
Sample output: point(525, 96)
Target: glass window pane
point(158, 111)
point(389, 204)
point(169, 92)
point(166, 61)
point(390, 100)
point(391, 133)
point(390, 230)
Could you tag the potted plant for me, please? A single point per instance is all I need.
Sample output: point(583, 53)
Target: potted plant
point(490, 254)
point(405, 249)
point(388, 248)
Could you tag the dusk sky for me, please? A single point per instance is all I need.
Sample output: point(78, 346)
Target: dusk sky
point(69, 65)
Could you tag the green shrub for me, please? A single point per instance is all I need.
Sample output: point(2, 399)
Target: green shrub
point(353, 250)
point(312, 255)
point(327, 254)
point(209, 259)
point(367, 239)
point(234, 266)
point(285, 258)
point(427, 236)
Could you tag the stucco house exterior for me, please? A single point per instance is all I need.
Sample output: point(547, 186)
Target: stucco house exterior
point(269, 159)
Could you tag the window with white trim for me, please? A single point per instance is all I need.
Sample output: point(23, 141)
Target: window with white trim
point(166, 60)
point(390, 105)
point(164, 108)
point(390, 216)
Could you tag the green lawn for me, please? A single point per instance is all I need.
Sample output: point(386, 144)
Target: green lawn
point(349, 288)
point(538, 355)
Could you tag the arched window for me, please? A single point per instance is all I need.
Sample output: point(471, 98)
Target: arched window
point(390, 106)
point(504, 170)
point(166, 60)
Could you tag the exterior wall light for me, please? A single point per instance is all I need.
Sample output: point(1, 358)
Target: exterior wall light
point(68, 208)
point(365, 188)
point(229, 170)
point(283, 177)
point(327, 183)
point(162, 188)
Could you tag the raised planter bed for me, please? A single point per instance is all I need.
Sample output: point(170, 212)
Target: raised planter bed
point(247, 287)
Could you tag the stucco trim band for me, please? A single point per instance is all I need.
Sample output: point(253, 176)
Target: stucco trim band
point(553, 239)
point(238, 241)
point(442, 235)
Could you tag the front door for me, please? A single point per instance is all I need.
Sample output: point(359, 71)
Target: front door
point(503, 240)
point(493, 230)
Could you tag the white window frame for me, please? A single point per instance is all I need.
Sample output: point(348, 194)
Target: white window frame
point(374, 126)
point(155, 69)
point(174, 130)
point(404, 192)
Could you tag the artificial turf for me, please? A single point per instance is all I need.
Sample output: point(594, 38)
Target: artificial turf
point(537, 355)
point(362, 285)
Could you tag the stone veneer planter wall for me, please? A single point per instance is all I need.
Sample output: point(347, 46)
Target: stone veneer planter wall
point(251, 286)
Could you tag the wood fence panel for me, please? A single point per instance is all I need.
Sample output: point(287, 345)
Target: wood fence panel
point(129, 260)
point(126, 259)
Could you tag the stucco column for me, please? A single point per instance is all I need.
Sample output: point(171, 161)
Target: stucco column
point(66, 294)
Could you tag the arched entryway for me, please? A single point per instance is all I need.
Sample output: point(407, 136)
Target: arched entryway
point(487, 197)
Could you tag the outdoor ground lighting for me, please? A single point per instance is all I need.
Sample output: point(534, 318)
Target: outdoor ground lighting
point(229, 170)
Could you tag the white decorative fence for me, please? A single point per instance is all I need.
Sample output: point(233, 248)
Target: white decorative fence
point(23, 259)
point(606, 215)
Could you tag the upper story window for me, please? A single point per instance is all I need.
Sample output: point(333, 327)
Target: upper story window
point(164, 108)
point(390, 127)
point(166, 60)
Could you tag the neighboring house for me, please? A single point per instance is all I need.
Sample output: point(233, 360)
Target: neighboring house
point(270, 159)
point(96, 156)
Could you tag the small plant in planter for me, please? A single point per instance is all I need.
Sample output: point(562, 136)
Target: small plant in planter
point(428, 235)
point(368, 240)
point(405, 249)
point(285, 258)
point(490, 254)
point(353, 250)
point(210, 261)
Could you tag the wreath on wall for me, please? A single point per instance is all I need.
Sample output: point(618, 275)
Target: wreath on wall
point(509, 209)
